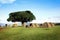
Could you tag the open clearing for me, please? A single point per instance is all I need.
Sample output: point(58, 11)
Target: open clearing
point(21, 33)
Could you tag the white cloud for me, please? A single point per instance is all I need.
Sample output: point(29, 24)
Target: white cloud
point(7, 1)
point(53, 19)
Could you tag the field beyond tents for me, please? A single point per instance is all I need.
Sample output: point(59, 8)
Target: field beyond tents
point(21, 33)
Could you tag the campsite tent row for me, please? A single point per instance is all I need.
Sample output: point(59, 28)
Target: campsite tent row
point(44, 25)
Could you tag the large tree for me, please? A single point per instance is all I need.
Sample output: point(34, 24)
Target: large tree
point(21, 16)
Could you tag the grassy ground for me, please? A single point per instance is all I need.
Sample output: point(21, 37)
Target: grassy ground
point(21, 33)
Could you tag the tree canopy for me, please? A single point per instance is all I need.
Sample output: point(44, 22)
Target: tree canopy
point(21, 16)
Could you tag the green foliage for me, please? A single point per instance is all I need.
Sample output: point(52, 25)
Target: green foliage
point(21, 16)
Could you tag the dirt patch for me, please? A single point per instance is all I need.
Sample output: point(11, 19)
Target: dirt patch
point(1, 29)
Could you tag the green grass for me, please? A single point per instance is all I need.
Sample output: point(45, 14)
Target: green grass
point(21, 33)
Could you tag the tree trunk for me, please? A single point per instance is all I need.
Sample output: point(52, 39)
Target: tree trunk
point(24, 24)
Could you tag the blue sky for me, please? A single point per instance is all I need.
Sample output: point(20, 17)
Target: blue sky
point(44, 10)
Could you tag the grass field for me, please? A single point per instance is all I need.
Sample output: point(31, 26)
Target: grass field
point(21, 33)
